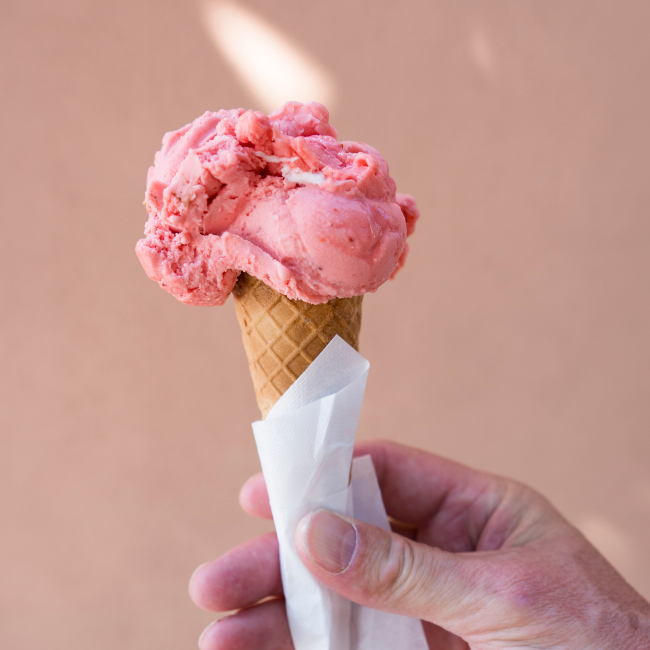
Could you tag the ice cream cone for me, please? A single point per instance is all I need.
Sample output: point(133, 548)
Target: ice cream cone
point(282, 336)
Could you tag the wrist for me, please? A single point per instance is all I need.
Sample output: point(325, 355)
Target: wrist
point(626, 629)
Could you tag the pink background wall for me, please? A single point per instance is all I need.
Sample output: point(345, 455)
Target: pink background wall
point(516, 340)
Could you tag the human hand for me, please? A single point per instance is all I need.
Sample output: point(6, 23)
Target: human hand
point(485, 562)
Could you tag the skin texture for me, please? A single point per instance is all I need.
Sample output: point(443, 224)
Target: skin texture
point(278, 197)
point(486, 562)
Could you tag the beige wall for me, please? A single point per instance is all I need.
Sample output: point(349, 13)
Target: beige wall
point(516, 340)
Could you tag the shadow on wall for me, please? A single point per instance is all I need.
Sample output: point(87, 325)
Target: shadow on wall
point(271, 67)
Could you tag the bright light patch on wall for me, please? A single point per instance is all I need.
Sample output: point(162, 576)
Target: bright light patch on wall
point(272, 68)
point(482, 51)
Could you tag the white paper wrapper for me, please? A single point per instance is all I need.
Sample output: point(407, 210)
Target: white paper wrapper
point(305, 446)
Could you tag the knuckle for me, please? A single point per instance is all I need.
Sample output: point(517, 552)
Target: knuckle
point(396, 576)
point(530, 588)
point(524, 590)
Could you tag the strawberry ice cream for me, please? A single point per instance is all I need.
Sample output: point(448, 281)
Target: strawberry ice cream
point(278, 197)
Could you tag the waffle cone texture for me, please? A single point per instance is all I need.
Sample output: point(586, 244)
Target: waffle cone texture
point(282, 336)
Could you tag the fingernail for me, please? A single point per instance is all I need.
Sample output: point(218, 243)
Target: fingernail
point(330, 541)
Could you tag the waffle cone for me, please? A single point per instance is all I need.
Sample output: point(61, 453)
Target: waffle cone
point(282, 336)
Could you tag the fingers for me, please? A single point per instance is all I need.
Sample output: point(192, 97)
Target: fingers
point(240, 578)
point(254, 499)
point(263, 627)
point(449, 503)
point(416, 483)
point(386, 571)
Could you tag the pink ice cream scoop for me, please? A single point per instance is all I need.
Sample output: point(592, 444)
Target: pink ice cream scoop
point(278, 197)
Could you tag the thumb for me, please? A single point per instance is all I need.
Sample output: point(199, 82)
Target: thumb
point(386, 571)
